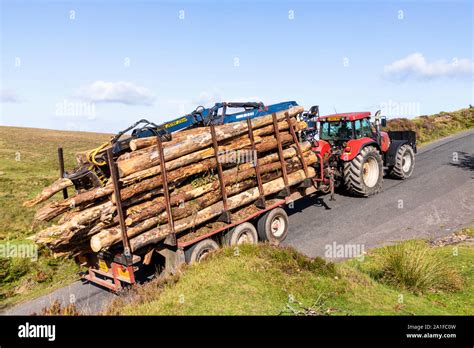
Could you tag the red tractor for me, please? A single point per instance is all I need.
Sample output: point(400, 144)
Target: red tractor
point(355, 152)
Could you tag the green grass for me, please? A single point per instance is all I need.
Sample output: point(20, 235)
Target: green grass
point(28, 163)
point(433, 127)
point(415, 266)
point(264, 280)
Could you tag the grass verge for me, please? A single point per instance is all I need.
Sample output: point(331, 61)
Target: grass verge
point(265, 280)
point(433, 127)
point(28, 163)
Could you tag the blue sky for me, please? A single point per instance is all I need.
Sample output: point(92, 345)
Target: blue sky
point(101, 65)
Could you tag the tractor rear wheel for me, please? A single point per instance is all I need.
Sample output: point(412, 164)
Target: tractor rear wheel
point(363, 176)
point(404, 163)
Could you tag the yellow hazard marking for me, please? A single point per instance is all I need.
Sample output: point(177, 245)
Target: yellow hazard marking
point(174, 123)
point(103, 266)
point(123, 272)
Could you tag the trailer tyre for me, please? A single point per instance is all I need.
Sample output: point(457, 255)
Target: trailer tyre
point(404, 163)
point(200, 250)
point(273, 226)
point(363, 175)
point(245, 233)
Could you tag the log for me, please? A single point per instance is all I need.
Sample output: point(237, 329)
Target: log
point(200, 141)
point(53, 209)
point(65, 231)
point(184, 135)
point(157, 234)
point(49, 191)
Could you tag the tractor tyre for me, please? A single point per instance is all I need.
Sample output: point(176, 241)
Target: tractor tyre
point(404, 163)
point(363, 175)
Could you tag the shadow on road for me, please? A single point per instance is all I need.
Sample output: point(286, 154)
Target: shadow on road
point(305, 202)
point(465, 160)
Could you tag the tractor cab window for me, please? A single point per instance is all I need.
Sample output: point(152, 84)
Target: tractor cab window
point(336, 130)
point(366, 128)
point(362, 128)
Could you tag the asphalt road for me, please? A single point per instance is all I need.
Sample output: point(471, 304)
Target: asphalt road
point(437, 200)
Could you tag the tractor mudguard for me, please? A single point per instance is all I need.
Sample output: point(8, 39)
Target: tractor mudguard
point(407, 135)
point(354, 146)
point(321, 147)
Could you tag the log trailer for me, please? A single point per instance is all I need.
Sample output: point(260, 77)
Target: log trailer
point(352, 152)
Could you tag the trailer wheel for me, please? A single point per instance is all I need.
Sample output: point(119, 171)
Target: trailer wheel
point(404, 163)
point(273, 226)
point(200, 250)
point(363, 175)
point(241, 234)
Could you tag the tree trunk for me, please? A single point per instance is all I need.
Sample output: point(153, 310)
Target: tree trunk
point(66, 230)
point(53, 209)
point(49, 191)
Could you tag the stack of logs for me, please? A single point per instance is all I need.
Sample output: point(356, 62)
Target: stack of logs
point(89, 220)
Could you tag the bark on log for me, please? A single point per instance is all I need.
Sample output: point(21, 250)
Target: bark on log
point(49, 191)
point(53, 209)
point(80, 221)
point(184, 135)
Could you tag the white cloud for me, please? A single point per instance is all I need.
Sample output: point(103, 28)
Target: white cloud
point(116, 92)
point(208, 98)
point(416, 66)
point(9, 96)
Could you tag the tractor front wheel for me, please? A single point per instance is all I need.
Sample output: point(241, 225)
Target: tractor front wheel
point(404, 163)
point(363, 175)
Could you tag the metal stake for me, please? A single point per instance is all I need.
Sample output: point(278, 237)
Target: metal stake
point(118, 203)
point(61, 169)
point(171, 238)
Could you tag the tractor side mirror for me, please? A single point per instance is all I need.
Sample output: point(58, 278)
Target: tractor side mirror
point(383, 121)
point(314, 110)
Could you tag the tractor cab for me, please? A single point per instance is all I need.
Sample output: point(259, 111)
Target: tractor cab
point(352, 130)
point(339, 128)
